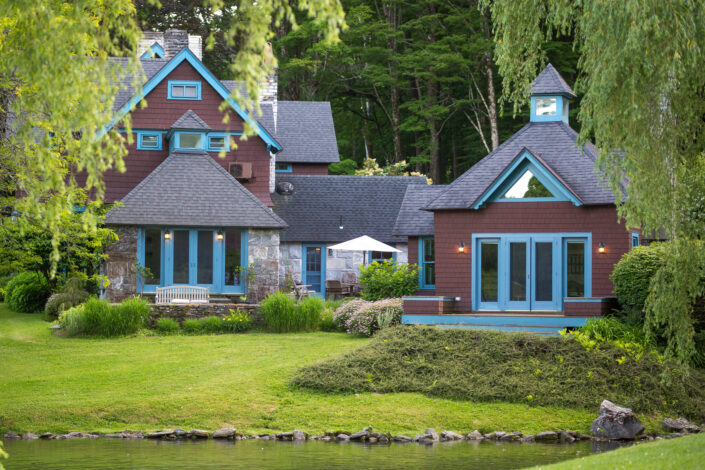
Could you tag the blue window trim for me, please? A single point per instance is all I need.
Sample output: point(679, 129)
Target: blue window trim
point(560, 283)
point(379, 260)
point(324, 254)
point(422, 264)
point(288, 168)
point(525, 161)
point(141, 134)
point(562, 109)
point(635, 239)
point(167, 258)
point(225, 135)
point(173, 83)
point(175, 141)
point(154, 51)
point(187, 56)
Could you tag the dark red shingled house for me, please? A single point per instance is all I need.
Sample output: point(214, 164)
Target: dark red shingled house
point(526, 239)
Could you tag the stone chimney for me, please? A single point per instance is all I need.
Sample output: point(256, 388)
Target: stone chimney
point(172, 41)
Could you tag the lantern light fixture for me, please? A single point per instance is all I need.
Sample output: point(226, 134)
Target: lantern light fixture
point(461, 247)
point(219, 236)
point(167, 235)
point(601, 247)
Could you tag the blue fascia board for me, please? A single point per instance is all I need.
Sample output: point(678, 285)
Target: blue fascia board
point(525, 161)
point(154, 51)
point(188, 56)
point(537, 321)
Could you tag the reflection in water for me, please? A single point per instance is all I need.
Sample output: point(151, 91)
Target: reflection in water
point(119, 454)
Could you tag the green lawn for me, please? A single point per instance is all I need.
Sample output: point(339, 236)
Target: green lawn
point(57, 384)
point(682, 453)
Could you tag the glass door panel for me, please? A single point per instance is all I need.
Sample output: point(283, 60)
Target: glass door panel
point(575, 269)
point(517, 275)
point(489, 274)
point(543, 272)
point(181, 256)
point(314, 268)
point(204, 263)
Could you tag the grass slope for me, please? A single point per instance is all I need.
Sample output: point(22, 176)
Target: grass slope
point(74, 384)
point(681, 453)
point(492, 366)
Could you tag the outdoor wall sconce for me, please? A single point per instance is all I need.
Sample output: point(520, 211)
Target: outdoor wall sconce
point(219, 236)
point(340, 226)
point(601, 247)
point(461, 247)
point(167, 235)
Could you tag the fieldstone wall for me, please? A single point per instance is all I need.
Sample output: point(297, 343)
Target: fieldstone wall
point(181, 312)
point(263, 251)
point(119, 268)
point(343, 266)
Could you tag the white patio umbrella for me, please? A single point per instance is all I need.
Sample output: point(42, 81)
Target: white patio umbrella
point(364, 244)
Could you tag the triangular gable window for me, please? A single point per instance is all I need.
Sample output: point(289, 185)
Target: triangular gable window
point(527, 186)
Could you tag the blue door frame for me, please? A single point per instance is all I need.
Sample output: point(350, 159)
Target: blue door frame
point(537, 256)
point(313, 267)
point(217, 284)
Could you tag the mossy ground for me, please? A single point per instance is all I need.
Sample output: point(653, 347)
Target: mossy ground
point(488, 366)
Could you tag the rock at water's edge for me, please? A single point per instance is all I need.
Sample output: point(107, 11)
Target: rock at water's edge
point(615, 422)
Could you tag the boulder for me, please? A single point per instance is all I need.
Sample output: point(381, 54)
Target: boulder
point(342, 437)
point(529, 438)
point(224, 433)
point(401, 438)
point(566, 438)
point(679, 425)
point(11, 435)
point(515, 436)
point(180, 433)
point(451, 436)
point(546, 436)
point(46, 435)
point(360, 435)
point(475, 436)
point(615, 422)
point(159, 434)
point(199, 434)
point(299, 435)
point(28, 436)
point(432, 433)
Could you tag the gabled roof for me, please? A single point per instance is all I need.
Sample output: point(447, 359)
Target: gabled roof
point(555, 144)
point(192, 190)
point(150, 67)
point(305, 130)
point(368, 205)
point(550, 82)
point(412, 219)
point(190, 120)
point(185, 55)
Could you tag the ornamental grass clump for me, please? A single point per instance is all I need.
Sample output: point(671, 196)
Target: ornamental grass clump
point(308, 313)
point(167, 326)
point(279, 312)
point(103, 319)
point(72, 321)
point(191, 326)
point(211, 325)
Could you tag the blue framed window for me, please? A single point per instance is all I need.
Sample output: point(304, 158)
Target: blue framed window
point(149, 140)
point(635, 239)
point(380, 256)
point(216, 259)
point(184, 90)
point(218, 142)
point(188, 140)
point(427, 263)
point(531, 271)
point(283, 168)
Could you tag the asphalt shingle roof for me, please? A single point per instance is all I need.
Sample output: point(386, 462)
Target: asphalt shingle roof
point(368, 204)
point(190, 120)
point(150, 68)
point(306, 132)
point(554, 144)
point(191, 189)
point(550, 82)
point(412, 219)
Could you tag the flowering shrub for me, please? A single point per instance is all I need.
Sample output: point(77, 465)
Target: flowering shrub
point(360, 317)
point(236, 321)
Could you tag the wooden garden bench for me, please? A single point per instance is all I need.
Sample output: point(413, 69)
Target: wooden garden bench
point(182, 295)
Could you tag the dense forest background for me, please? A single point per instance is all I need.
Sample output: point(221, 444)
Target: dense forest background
point(411, 81)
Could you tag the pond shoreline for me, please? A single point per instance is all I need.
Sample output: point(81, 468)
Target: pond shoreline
point(367, 436)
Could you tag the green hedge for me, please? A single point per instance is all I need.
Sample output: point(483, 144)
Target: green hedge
point(388, 280)
point(27, 292)
point(632, 276)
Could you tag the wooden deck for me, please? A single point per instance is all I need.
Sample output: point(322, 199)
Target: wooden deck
point(543, 323)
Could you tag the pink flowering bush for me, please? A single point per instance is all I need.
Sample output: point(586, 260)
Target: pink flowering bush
point(360, 317)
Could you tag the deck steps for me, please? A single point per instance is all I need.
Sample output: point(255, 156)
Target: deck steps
point(543, 324)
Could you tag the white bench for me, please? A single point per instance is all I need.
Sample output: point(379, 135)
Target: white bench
point(182, 295)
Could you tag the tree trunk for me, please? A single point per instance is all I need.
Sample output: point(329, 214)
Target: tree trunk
point(392, 13)
point(491, 102)
point(433, 134)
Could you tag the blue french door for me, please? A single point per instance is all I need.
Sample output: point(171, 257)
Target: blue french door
point(518, 272)
point(193, 258)
point(314, 268)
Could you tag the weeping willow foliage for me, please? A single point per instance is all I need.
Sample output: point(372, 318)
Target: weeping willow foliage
point(642, 80)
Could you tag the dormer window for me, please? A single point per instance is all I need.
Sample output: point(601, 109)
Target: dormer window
point(184, 90)
point(188, 141)
point(546, 107)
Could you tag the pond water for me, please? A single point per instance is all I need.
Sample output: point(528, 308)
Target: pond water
point(123, 454)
